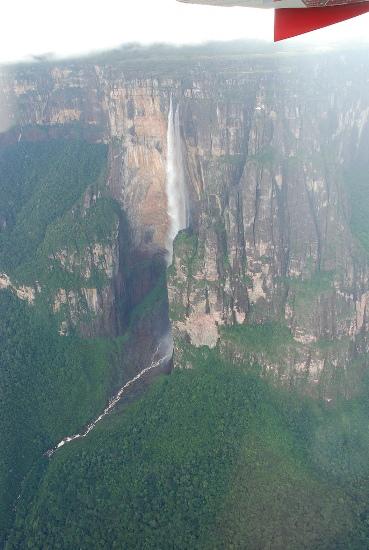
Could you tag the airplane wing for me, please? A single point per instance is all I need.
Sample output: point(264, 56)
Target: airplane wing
point(295, 17)
point(289, 22)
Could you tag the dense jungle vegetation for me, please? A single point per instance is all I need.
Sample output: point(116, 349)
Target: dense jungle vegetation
point(49, 385)
point(211, 457)
point(40, 182)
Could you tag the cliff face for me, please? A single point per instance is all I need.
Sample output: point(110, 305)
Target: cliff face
point(272, 235)
point(268, 146)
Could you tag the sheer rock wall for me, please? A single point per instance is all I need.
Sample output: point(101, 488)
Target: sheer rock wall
point(267, 145)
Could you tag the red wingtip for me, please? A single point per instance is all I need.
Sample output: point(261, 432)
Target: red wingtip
point(289, 22)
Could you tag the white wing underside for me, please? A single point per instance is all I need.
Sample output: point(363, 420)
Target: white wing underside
point(265, 4)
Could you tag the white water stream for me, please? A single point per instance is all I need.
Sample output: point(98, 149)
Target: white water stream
point(177, 195)
point(155, 363)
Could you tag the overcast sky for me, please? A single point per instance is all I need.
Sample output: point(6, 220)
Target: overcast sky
point(70, 27)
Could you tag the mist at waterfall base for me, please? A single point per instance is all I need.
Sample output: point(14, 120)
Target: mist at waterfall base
point(177, 196)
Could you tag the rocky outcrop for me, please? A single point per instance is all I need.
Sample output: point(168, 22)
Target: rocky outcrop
point(22, 292)
point(94, 303)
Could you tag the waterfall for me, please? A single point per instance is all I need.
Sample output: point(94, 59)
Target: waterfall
point(176, 182)
point(178, 214)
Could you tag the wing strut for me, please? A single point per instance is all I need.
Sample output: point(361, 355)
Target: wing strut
point(289, 22)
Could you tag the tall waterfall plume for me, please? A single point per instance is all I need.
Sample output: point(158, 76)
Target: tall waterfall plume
point(177, 196)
